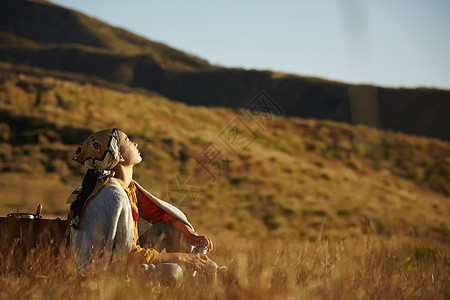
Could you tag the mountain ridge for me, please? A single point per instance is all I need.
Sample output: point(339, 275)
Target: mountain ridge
point(59, 25)
point(93, 48)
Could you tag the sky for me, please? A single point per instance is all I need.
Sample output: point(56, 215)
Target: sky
point(401, 43)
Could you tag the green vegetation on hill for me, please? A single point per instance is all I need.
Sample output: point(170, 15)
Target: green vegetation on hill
point(39, 33)
point(298, 178)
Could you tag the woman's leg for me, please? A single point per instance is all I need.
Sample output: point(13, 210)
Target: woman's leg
point(163, 236)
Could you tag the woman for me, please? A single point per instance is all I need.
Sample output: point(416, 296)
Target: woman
point(105, 209)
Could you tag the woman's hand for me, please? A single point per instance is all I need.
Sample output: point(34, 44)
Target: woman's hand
point(195, 239)
point(191, 235)
point(195, 261)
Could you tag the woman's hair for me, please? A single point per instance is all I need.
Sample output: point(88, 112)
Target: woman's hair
point(88, 185)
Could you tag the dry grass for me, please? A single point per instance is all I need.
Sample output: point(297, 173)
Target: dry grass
point(365, 268)
point(47, 190)
point(311, 209)
point(297, 179)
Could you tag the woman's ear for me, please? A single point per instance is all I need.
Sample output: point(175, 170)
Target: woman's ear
point(121, 159)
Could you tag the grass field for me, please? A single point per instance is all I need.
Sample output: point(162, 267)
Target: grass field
point(297, 208)
point(365, 268)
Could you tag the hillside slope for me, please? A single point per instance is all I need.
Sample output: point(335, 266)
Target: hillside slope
point(38, 33)
point(46, 23)
point(413, 111)
point(286, 177)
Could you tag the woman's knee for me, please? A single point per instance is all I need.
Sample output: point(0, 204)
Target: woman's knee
point(163, 236)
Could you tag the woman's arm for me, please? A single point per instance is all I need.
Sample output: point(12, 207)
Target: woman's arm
point(153, 214)
point(191, 235)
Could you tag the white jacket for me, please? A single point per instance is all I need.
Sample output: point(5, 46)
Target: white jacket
point(106, 227)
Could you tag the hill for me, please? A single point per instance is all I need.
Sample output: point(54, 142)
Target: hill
point(281, 176)
point(39, 33)
point(45, 23)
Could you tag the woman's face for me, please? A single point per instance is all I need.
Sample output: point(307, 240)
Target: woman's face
point(129, 150)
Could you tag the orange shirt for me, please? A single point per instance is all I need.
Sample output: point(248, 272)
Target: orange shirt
point(142, 206)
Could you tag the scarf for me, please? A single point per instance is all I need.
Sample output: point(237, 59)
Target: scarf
point(99, 152)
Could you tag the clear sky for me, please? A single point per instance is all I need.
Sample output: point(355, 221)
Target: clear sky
point(400, 43)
